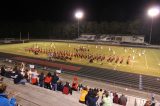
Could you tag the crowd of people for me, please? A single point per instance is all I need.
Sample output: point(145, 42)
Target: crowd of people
point(98, 97)
point(80, 53)
point(22, 74)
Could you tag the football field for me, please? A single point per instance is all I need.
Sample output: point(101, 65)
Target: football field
point(128, 59)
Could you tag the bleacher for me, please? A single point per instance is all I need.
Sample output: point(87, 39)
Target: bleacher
point(86, 38)
point(31, 95)
point(103, 38)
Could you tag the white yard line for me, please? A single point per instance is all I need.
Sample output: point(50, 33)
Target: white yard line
point(146, 60)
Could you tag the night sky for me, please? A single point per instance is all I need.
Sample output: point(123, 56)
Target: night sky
point(63, 10)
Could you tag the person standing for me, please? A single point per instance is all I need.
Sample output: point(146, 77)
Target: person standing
point(55, 79)
point(41, 79)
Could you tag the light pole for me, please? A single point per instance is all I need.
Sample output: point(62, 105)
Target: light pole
point(152, 12)
point(78, 15)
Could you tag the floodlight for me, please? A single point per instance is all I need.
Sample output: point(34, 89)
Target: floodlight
point(79, 14)
point(154, 11)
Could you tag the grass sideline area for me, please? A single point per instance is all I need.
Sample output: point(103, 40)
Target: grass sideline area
point(144, 61)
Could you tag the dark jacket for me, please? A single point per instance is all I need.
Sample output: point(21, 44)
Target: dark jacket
point(55, 78)
point(41, 77)
point(3, 71)
point(18, 78)
point(91, 101)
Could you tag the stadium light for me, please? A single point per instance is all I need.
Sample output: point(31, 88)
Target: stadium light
point(152, 12)
point(78, 15)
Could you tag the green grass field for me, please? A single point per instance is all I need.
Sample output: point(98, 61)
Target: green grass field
point(143, 61)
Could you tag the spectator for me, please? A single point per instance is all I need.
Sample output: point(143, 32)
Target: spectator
point(60, 86)
point(80, 86)
point(88, 94)
point(115, 98)
point(106, 101)
point(55, 78)
point(41, 79)
point(4, 101)
point(8, 72)
point(148, 103)
point(67, 89)
point(100, 93)
point(3, 71)
point(75, 83)
point(122, 100)
point(15, 68)
point(34, 77)
point(18, 78)
point(153, 103)
point(26, 76)
point(84, 92)
point(47, 81)
point(92, 99)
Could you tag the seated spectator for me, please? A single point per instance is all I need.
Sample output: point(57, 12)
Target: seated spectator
point(80, 86)
point(3, 71)
point(47, 81)
point(60, 86)
point(122, 100)
point(26, 75)
point(67, 89)
point(115, 98)
point(92, 99)
point(82, 98)
point(75, 83)
point(34, 77)
point(100, 93)
point(8, 72)
point(106, 101)
point(148, 103)
point(18, 78)
point(75, 86)
point(4, 101)
point(153, 103)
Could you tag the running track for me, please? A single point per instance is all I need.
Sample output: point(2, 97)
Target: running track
point(149, 83)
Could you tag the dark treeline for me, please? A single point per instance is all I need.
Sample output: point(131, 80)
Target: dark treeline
point(68, 30)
